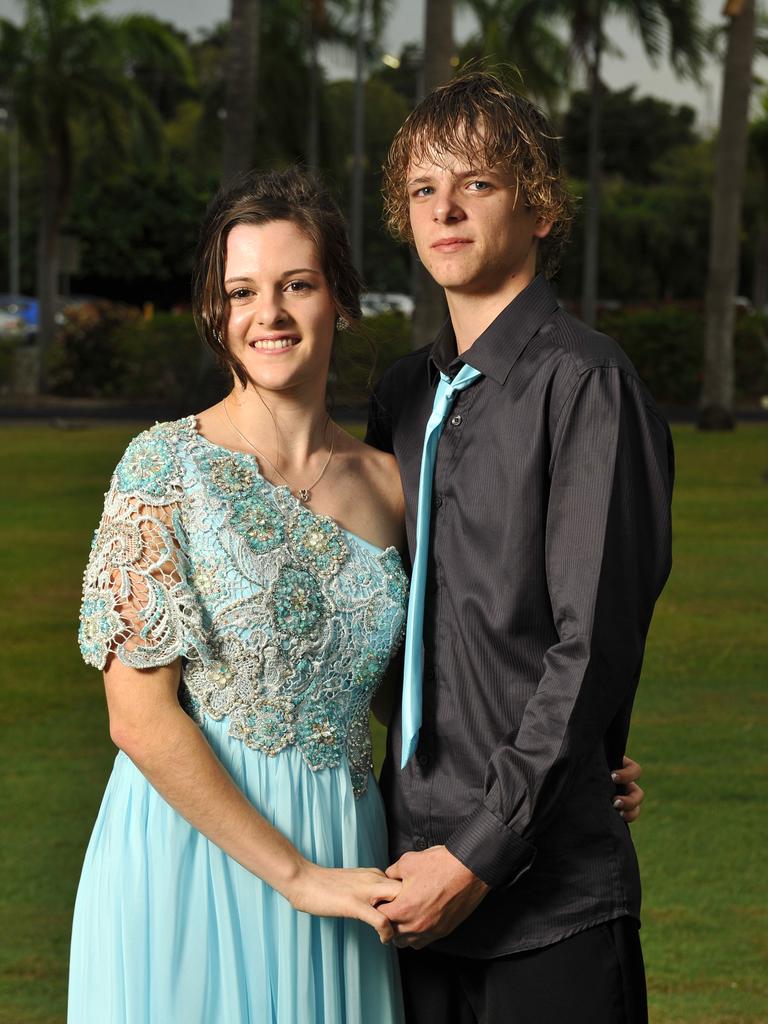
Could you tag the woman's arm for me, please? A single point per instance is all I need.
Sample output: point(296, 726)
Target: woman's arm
point(148, 724)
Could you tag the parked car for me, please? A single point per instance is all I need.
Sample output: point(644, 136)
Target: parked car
point(10, 323)
point(22, 309)
point(373, 303)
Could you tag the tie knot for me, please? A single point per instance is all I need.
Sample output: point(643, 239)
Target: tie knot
point(466, 376)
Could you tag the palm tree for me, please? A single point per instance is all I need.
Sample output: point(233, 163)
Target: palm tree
point(67, 71)
point(654, 20)
point(716, 411)
point(353, 24)
point(513, 30)
point(242, 80)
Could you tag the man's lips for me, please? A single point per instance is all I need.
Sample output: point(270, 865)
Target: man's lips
point(448, 245)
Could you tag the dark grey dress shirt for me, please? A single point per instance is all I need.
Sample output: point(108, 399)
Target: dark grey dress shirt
point(550, 543)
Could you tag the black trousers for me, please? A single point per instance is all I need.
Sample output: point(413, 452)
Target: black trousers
point(594, 977)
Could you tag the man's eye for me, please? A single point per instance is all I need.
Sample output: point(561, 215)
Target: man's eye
point(480, 186)
point(425, 190)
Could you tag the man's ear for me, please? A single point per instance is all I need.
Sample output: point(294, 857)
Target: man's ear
point(542, 227)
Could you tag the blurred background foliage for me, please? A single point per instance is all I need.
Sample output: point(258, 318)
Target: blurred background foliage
point(145, 109)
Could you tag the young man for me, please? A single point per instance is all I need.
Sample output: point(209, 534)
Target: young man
point(542, 548)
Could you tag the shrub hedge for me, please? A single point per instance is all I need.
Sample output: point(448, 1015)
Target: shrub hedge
point(107, 350)
point(666, 346)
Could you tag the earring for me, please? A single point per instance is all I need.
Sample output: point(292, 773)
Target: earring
point(342, 324)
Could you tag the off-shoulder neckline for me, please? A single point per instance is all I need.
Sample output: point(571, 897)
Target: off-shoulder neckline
point(192, 423)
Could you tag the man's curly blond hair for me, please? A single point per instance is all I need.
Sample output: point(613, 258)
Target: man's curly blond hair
point(477, 119)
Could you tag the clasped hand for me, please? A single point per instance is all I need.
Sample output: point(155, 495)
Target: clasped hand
point(345, 892)
point(438, 892)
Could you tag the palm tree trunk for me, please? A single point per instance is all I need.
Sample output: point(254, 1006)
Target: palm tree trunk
point(242, 82)
point(429, 299)
point(438, 43)
point(594, 168)
point(358, 149)
point(716, 409)
point(314, 13)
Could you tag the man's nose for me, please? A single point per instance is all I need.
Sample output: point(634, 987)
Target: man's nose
point(447, 209)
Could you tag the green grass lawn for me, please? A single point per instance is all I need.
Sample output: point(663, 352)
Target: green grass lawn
point(699, 728)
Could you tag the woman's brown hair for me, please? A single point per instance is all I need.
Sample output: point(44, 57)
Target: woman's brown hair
point(259, 198)
point(478, 119)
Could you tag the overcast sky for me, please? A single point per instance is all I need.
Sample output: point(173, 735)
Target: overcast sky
point(406, 26)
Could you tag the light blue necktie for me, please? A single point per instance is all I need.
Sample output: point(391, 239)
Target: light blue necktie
point(445, 395)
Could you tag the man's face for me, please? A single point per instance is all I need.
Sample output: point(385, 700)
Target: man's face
point(471, 229)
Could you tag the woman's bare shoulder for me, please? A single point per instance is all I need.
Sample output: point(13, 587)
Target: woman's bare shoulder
point(378, 468)
point(373, 487)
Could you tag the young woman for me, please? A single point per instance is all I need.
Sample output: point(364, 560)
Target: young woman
point(244, 595)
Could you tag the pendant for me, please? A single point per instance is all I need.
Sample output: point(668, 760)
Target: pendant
point(303, 495)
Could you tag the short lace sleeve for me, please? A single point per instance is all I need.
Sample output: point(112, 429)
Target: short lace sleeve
point(137, 602)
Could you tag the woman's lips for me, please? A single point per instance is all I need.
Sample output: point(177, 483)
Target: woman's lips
point(274, 345)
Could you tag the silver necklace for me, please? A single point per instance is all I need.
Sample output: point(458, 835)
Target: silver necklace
point(304, 494)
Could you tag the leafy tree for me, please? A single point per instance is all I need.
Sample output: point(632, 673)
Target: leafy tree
point(636, 133)
point(67, 68)
point(654, 236)
point(147, 254)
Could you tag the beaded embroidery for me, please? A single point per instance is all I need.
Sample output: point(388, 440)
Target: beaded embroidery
point(284, 624)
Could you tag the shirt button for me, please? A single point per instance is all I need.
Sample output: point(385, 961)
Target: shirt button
point(420, 843)
point(438, 501)
point(456, 420)
point(423, 758)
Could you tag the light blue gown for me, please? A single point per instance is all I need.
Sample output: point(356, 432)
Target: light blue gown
point(285, 624)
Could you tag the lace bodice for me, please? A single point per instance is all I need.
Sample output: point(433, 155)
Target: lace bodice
point(284, 622)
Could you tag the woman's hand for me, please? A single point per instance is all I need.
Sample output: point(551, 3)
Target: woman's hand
point(345, 892)
point(628, 802)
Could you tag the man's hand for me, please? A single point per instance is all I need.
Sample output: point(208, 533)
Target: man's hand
point(438, 893)
point(628, 804)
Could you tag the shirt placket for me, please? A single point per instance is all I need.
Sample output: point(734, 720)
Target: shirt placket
point(437, 627)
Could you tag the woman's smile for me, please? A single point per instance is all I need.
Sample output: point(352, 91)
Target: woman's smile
point(275, 344)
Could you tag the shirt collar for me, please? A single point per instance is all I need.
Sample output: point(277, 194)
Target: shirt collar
point(498, 348)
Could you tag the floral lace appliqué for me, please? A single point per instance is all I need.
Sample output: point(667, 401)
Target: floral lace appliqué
point(285, 624)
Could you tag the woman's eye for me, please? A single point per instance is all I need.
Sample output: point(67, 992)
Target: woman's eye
point(298, 286)
point(239, 293)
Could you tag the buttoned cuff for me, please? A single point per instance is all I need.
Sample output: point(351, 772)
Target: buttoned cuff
point(490, 849)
